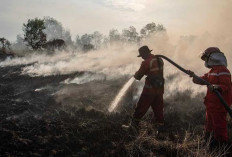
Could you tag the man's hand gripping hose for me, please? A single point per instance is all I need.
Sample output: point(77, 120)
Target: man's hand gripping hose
point(214, 88)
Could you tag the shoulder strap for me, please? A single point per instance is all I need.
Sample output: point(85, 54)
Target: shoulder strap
point(160, 64)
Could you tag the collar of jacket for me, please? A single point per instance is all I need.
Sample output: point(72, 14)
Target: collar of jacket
point(150, 56)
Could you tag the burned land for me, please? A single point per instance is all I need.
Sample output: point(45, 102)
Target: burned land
point(43, 116)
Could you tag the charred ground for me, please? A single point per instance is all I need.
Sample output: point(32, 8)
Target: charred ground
point(41, 116)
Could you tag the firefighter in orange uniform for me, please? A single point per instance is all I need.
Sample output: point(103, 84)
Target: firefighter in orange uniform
point(220, 78)
point(152, 94)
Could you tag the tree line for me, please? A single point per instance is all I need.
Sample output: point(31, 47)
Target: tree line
point(38, 34)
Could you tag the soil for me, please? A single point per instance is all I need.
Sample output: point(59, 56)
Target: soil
point(41, 116)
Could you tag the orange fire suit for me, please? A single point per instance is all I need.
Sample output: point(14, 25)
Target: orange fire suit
point(216, 122)
point(152, 94)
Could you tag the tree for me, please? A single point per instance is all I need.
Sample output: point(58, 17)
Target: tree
point(97, 39)
point(4, 44)
point(105, 42)
point(33, 33)
point(86, 44)
point(19, 46)
point(89, 41)
point(55, 30)
point(67, 38)
point(55, 44)
point(19, 39)
point(88, 47)
point(130, 35)
point(114, 36)
point(78, 43)
point(151, 28)
point(86, 39)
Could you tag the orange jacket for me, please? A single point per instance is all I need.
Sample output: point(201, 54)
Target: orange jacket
point(221, 76)
point(151, 67)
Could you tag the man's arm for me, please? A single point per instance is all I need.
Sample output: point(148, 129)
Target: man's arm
point(141, 72)
point(197, 81)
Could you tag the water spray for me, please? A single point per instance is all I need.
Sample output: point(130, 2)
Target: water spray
point(121, 93)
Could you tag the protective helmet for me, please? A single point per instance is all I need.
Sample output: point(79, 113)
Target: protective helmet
point(143, 50)
point(205, 55)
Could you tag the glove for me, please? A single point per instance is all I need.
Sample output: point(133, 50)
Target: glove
point(190, 73)
point(213, 87)
point(138, 76)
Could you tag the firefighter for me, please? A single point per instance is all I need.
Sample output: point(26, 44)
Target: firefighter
point(152, 94)
point(220, 79)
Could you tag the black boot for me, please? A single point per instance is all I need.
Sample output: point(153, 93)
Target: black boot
point(133, 126)
point(160, 133)
point(160, 128)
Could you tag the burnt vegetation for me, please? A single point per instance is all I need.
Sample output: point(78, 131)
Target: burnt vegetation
point(35, 123)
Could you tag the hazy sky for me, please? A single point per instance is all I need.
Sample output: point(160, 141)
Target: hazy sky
point(87, 16)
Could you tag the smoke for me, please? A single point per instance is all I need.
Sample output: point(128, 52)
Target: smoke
point(37, 58)
point(114, 62)
point(120, 61)
point(209, 25)
point(85, 79)
point(205, 26)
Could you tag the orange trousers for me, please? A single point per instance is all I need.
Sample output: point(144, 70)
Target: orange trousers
point(156, 103)
point(216, 123)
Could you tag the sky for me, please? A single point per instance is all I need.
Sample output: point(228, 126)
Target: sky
point(184, 17)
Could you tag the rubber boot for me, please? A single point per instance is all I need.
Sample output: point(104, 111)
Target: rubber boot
point(133, 127)
point(160, 128)
point(160, 133)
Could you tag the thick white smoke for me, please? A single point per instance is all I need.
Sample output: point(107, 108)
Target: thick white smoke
point(119, 61)
point(114, 62)
point(85, 79)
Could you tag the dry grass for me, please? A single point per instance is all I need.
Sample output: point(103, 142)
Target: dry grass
point(149, 144)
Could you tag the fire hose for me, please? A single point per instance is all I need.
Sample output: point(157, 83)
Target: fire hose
point(223, 102)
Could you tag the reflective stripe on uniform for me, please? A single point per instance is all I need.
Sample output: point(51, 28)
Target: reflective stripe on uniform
point(219, 74)
point(154, 69)
point(151, 63)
